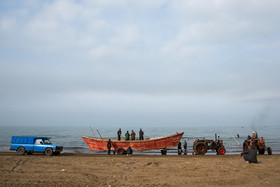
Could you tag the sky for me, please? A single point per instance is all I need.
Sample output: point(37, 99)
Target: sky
point(119, 63)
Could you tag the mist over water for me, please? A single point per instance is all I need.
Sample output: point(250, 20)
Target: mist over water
point(70, 137)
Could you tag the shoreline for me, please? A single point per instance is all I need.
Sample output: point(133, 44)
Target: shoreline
point(84, 169)
point(139, 154)
point(173, 152)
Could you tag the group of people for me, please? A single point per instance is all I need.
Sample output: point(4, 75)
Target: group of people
point(253, 137)
point(109, 145)
point(130, 136)
point(250, 155)
point(180, 151)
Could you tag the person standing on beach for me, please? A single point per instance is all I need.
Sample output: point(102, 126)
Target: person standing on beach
point(132, 135)
point(185, 147)
point(119, 134)
point(262, 141)
point(127, 135)
point(141, 135)
point(255, 135)
point(250, 155)
point(179, 148)
point(109, 144)
point(129, 151)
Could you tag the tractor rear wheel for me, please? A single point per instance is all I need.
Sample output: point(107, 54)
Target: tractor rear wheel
point(221, 151)
point(120, 151)
point(269, 151)
point(200, 148)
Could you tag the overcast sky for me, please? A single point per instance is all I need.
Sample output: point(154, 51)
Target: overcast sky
point(140, 63)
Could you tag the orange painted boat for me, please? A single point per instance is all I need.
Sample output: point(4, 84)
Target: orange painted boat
point(136, 145)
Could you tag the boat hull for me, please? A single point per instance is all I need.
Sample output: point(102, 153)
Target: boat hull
point(136, 145)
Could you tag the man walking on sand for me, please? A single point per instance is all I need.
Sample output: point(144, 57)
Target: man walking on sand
point(250, 155)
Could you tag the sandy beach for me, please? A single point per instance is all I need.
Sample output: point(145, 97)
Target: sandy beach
point(137, 170)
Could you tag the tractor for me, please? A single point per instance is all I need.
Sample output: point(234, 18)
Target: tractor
point(200, 147)
point(256, 143)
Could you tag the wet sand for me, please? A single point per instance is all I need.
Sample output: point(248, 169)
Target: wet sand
point(137, 170)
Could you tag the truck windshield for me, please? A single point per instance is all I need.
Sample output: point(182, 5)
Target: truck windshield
point(47, 141)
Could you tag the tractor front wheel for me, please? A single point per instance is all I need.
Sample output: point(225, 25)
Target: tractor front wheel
point(221, 151)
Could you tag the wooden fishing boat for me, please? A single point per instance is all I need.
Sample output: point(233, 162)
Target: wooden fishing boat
point(121, 146)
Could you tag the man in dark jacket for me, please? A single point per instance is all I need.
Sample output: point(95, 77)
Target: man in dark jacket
point(185, 147)
point(179, 148)
point(127, 135)
point(119, 134)
point(129, 151)
point(109, 144)
point(132, 135)
point(141, 135)
point(250, 155)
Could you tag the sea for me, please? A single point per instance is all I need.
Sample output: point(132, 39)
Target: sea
point(71, 137)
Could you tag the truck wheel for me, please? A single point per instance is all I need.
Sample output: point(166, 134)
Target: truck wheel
point(201, 148)
point(49, 151)
point(120, 151)
point(269, 151)
point(21, 150)
point(221, 151)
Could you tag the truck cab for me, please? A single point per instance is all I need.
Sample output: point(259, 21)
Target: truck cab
point(31, 144)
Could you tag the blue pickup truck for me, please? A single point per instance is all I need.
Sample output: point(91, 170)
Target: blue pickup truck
point(31, 144)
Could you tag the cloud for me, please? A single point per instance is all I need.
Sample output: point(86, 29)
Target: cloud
point(119, 44)
point(109, 55)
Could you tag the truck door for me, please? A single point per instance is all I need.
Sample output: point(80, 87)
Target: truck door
point(39, 145)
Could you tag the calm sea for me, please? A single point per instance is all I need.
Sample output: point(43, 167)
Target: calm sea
point(70, 137)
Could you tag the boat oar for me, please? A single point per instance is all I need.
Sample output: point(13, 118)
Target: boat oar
point(92, 132)
point(99, 134)
point(235, 140)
